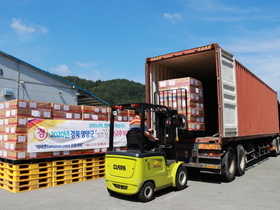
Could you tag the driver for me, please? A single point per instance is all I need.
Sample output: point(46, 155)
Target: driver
point(135, 124)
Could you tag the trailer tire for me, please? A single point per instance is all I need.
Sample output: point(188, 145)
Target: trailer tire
point(147, 192)
point(275, 144)
point(278, 145)
point(228, 166)
point(240, 160)
point(181, 178)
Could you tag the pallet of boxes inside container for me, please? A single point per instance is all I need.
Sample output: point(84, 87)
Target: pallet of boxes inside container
point(186, 96)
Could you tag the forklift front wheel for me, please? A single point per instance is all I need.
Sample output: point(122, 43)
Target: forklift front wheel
point(181, 178)
point(147, 192)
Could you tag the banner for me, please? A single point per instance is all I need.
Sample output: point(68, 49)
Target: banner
point(59, 135)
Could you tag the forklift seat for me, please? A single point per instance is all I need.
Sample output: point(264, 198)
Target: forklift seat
point(133, 139)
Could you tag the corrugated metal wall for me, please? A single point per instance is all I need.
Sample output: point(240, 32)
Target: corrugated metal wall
point(257, 105)
point(29, 83)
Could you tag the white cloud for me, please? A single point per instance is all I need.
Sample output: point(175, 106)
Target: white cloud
point(28, 28)
point(259, 52)
point(173, 18)
point(94, 75)
point(83, 64)
point(62, 70)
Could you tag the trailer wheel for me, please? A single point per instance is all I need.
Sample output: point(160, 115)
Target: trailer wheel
point(181, 178)
point(275, 144)
point(147, 192)
point(228, 166)
point(278, 143)
point(240, 160)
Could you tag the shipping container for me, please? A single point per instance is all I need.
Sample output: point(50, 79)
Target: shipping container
point(240, 111)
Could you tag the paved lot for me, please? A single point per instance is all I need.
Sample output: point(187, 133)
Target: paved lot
point(258, 189)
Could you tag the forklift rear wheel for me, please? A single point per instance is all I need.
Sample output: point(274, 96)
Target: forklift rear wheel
point(147, 192)
point(111, 192)
point(181, 178)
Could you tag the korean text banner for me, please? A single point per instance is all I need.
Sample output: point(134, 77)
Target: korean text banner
point(61, 135)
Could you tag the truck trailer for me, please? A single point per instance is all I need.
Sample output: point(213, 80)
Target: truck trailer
point(241, 112)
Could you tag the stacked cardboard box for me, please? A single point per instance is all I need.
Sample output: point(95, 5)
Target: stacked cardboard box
point(185, 95)
point(14, 116)
point(66, 112)
point(94, 113)
point(13, 121)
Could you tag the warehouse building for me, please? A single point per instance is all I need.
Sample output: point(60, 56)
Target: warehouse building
point(20, 80)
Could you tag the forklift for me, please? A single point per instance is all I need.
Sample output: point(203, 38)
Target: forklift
point(141, 170)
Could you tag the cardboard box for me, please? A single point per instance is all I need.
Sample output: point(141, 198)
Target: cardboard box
point(198, 119)
point(17, 103)
point(28, 112)
point(66, 107)
point(16, 121)
point(196, 126)
point(17, 129)
point(2, 145)
point(13, 137)
point(88, 109)
point(185, 81)
point(40, 105)
point(2, 113)
point(17, 146)
point(66, 115)
point(195, 111)
point(66, 153)
point(170, 95)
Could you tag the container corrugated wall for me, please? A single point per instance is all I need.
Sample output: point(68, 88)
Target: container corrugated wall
point(257, 105)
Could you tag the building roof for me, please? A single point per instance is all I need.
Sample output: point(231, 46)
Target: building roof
point(85, 97)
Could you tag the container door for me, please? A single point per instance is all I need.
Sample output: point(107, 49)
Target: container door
point(228, 94)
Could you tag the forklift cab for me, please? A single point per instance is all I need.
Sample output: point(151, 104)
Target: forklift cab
point(166, 126)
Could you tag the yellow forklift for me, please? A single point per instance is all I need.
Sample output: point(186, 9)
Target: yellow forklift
point(141, 170)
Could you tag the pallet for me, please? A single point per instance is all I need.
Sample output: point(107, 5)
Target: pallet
point(66, 177)
point(26, 188)
point(94, 159)
point(94, 168)
point(67, 162)
point(90, 173)
point(69, 181)
point(26, 183)
point(67, 167)
point(27, 166)
point(88, 164)
point(85, 178)
point(27, 177)
point(67, 172)
point(27, 172)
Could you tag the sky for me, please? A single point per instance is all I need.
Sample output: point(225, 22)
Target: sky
point(110, 39)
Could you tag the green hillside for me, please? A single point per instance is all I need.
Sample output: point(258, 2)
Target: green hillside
point(114, 91)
